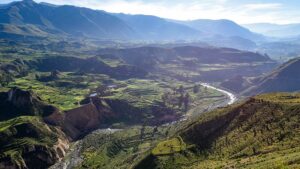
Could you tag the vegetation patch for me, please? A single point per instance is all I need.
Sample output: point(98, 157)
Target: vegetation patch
point(171, 146)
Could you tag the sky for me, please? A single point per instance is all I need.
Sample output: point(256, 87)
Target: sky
point(240, 11)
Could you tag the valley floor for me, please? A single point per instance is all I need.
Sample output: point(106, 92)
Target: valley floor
point(78, 154)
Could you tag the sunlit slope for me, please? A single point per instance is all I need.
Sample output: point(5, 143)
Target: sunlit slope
point(283, 79)
point(262, 132)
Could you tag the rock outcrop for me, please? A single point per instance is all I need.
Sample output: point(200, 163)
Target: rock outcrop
point(17, 102)
point(79, 121)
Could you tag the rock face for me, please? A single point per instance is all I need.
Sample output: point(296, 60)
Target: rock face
point(20, 98)
point(101, 113)
point(81, 120)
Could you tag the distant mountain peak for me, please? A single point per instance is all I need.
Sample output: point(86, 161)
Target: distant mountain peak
point(30, 2)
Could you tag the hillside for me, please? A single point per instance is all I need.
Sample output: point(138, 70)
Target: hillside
point(252, 134)
point(26, 141)
point(30, 19)
point(276, 30)
point(196, 63)
point(155, 28)
point(283, 79)
point(39, 19)
point(224, 28)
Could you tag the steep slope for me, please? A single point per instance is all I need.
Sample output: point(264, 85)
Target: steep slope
point(225, 28)
point(155, 28)
point(90, 23)
point(236, 84)
point(17, 102)
point(79, 121)
point(262, 132)
point(30, 18)
point(283, 79)
point(27, 18)
point(26, 141)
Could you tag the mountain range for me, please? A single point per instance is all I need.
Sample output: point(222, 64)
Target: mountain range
point(223, 27)
point(275, 30)
point(28, 18)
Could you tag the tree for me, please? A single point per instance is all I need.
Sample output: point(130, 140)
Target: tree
point(101, 90)
point(180, 100)
point(142, 132)
point(155, 130)
point(5, 79)
point(196, 88)
point(165, 98)
point(186, 102)
point(37, 77)
point(55, 74)
point(181, 90)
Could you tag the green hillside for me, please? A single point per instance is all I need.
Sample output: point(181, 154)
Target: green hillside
point(282, 79)
point(262, 132)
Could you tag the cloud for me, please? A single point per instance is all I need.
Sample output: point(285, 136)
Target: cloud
point(246, 11)
point(263, 6)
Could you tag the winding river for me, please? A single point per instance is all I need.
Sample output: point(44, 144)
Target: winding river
point(231, 99)
point(231, 96)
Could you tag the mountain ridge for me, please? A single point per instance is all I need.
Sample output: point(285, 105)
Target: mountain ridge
point(224, 27)
point(276, 30)
point(283, 79)
point(44, 19)
point(251, 134)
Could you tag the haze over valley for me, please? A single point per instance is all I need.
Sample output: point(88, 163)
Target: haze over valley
point(125, 84)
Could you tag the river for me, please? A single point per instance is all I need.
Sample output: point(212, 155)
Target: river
point(231, 96)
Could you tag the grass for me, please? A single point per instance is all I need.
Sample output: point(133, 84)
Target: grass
point(16, 121)
point(64, 99)
point(171, 146)
point(139, 93)
point(15, 141)
point(260, 133)
point(285, 159)
point(128, 146)
point(116, 150)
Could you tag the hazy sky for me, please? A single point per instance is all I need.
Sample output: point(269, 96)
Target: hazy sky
point(241, 11)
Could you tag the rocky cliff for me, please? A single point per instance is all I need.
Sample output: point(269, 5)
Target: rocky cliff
point(26, 140)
